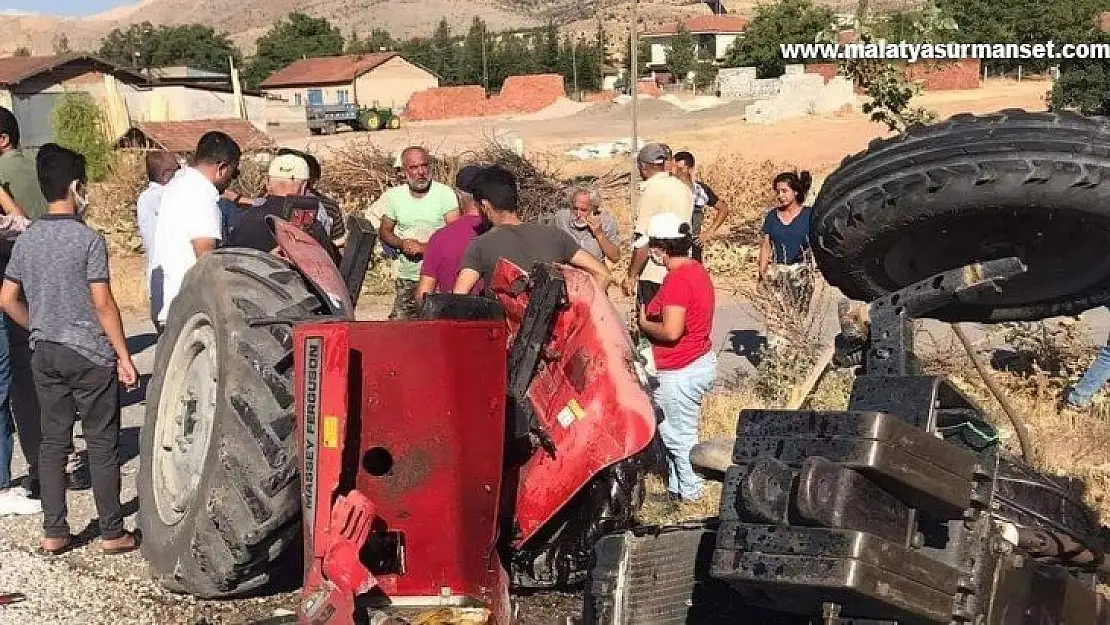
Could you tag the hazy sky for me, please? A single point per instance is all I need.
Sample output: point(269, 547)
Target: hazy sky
point(61, 7)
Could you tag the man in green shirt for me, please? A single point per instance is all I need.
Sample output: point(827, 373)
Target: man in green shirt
point(17, 170)
point(19, 177)
point(413, 212)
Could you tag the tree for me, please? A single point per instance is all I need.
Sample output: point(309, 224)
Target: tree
point(444, 54)
point(1084, 84)
point(643, 55)
point(143, 46)
point(1023, 21)
point(547, 49)
point(79, 124)
point(682, 54)
point(379, 40)
point(298, 37)
point(473, 58)
point(788, 21)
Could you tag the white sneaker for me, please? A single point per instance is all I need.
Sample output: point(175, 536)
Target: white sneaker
point(16, 503)
point(19, 490)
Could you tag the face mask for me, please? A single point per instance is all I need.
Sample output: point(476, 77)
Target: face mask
point(657, 257)
point(82, 201)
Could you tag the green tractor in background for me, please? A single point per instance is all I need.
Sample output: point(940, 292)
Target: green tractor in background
point(324, 119)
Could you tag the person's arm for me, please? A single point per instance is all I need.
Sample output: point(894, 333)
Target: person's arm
point(721, 213)
point(635, 268)
point(764, 255)
point(388, 236)
point(12, 303)
point(469, 269)
point(454, 211)
point(9, 205)
point(466, 281)
point(206, 230)
point(107, 312)
point(667, 330)
point(585, 260)
point(765, 246)
point(426, 285)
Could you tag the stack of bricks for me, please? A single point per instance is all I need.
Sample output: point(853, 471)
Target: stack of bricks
point(447, 103)
point(519, 94)
point(528, 94)
point(931, 75)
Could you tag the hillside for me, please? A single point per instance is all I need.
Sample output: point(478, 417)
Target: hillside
point(246, 20)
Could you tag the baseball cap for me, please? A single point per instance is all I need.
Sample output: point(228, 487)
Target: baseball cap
point(289, 167)
point(464, 180)
point(662, 226)
point(655, 153)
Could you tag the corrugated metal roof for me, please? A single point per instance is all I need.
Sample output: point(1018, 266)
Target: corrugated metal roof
point(326, 70)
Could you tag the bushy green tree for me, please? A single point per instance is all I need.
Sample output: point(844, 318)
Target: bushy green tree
point(297, 37)
point(379, 40)
point(80, 125)
point(143, 46)
point(682, 53)
point(786, 21)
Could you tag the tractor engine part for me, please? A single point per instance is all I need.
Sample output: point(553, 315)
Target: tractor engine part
point(901, 510)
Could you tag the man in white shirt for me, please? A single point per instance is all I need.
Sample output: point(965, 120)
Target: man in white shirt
point(189, 223)
point(161, 166)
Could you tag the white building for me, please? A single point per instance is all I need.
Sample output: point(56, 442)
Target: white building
point(715, 34)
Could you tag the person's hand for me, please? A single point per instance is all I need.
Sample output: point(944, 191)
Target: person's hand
point(629, 286)
point(705, 237)
point(412, 247)
point(641, 316)
point(593, 222)
point(128, 375)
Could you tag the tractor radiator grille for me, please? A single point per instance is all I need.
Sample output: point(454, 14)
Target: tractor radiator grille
point(660, 578)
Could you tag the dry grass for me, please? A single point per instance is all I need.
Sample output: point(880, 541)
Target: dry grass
point(112, 204)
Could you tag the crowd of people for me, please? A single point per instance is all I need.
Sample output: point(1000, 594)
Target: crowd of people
point(64, 357)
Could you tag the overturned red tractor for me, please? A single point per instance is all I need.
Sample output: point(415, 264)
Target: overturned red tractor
point(488, 444)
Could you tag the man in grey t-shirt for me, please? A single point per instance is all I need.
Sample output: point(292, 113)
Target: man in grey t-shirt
point(523, 244)
point(80, 351)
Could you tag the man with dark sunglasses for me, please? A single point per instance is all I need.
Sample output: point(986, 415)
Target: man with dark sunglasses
point(189, 220)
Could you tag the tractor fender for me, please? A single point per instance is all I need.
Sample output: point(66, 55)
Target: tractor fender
point(312, 261)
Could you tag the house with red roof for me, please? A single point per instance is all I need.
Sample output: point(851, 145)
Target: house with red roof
point(383, 79)
point(715, 34)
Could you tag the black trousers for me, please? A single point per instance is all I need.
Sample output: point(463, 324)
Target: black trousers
point(24, 397)
point(696, 221)
point(68, 384)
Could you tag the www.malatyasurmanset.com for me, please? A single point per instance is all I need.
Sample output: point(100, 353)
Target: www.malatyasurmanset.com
point(912, 52)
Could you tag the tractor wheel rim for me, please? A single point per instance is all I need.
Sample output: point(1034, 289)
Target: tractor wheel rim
point(186, 418)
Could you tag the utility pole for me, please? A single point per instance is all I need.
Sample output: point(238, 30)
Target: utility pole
point(574, 66)
point(634, 83)
point(485, 62)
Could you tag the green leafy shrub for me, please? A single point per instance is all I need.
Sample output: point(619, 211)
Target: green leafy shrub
point(80, 125)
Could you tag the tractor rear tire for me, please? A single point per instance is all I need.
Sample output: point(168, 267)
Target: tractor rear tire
point(394, 122)
point(974, 188)
point(218, 484)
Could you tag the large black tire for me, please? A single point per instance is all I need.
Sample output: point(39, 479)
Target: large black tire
point(244, 509)
point(973, 188)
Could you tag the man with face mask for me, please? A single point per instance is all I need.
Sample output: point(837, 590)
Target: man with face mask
point(413, 212)
point(80, 350)
point(189, 220)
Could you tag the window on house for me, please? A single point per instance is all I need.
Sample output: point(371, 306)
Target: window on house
point(297, 99)
point(315, 97)
point(341, 96)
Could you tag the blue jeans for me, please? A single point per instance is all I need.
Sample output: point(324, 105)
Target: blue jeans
point(7, 425)
point(1093, 380)
point(679, 395)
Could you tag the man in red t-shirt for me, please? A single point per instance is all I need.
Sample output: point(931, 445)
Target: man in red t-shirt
point(678, 322)
point(444, 253)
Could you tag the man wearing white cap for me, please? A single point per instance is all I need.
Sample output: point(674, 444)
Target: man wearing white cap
point(660, 193)
point(287, 198)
